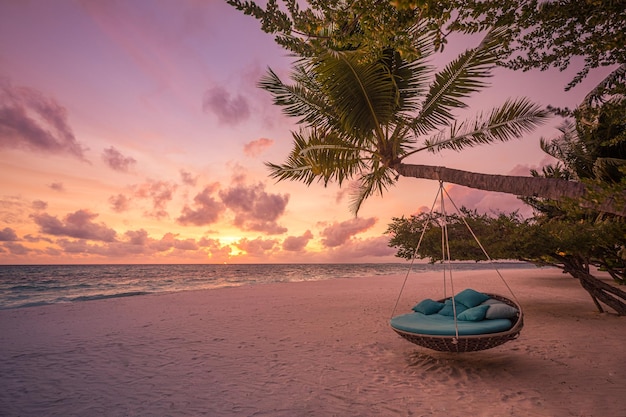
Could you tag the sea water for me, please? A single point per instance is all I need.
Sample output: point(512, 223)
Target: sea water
point(35, 285)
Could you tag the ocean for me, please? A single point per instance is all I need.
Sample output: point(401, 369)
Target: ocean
point(36, 285)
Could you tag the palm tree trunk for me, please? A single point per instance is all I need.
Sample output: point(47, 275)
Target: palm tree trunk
point(551, 188)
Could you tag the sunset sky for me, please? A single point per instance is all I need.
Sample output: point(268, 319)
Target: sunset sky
point(133, 132)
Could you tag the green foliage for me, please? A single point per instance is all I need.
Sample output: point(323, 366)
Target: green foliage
point(368, 25)
point(496, 234)
point(541, 240)
point(540, 34)
point(591, 148)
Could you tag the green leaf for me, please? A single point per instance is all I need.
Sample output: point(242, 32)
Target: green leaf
point(511, 120)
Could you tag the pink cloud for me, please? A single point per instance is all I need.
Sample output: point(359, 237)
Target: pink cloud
point(29, 120)
point(39, 205)
point(229, 110)
point(57, 186)
point(17, 248)
point(215, 248)
point(297, 243)
point(256, 147)
point(187, 178)
point(137, 237)
point(119, 203)
point(170, 241)
point(254, 208)
point(8, 235)
point(116, 161)
point(78, 225)
point(207, 209)
point(161, 193)
point(374, 247)
point(257, 247)
point(485, 201)
point(339, 233)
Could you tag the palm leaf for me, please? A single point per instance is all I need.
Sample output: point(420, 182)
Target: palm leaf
point(302, 100)
point(510, 121)
point(457, 81)
point(376, 181)
point(318, 155)
point(363, 95)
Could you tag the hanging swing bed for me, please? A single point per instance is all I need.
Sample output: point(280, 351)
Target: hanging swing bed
point(466, 322)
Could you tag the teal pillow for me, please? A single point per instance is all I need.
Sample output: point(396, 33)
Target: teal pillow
point(474, 314)
point(448, 309)
point(470, 297)
point(500, 311)
point(428, 306)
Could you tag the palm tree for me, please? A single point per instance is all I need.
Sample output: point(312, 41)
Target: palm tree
point(362, 117)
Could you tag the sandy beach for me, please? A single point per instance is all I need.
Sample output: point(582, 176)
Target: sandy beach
point(309, 349)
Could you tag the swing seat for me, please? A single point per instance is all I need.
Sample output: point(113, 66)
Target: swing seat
point(439, 332)
point(437, 324)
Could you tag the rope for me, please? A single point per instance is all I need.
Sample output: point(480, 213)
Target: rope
point(481, 247)
point(446, 258)
point(419, 243)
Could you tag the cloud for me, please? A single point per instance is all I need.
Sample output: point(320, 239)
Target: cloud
point(17, 248)
point(8, 235)
point(256, 147)
point(29, 120)
point(161, 192)
point(485, 201)
point(187, 178)
point(39, 205)
point(228, 110)
point(171, 241)
point(119, 203)
point(254, 208)
point(257, 247)
point(116, 161)
point(207, 209)
point(137, 237)
point(78, 225)
point(57, 186)
point(373, 247)
point(297, 243)
point(216, 250)
point(35, 239)
point(339, 233)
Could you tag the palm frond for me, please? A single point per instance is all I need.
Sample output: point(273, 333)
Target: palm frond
point(364, 96)
point(376, 181)
point(301, 100)
point(457, 81)
point(510, 121)
point(558, 147)
point(318, 155)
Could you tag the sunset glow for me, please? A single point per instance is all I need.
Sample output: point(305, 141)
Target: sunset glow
point(133, 132)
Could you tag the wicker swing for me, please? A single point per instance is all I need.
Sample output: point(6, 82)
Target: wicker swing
point(457, 342)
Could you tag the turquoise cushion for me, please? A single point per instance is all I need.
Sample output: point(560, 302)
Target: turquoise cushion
point(500, 311)
point(428, 306)
point(448, 308)
point(470, 298)
point(436, 324)
point(474, 314)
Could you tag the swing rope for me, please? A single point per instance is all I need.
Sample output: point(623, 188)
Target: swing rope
point(482, 248)
point(445, 248)
point(414, 255)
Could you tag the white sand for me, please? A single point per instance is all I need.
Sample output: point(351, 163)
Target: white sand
point(309, 349)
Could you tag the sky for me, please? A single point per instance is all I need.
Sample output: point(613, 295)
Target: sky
point(132, 131)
